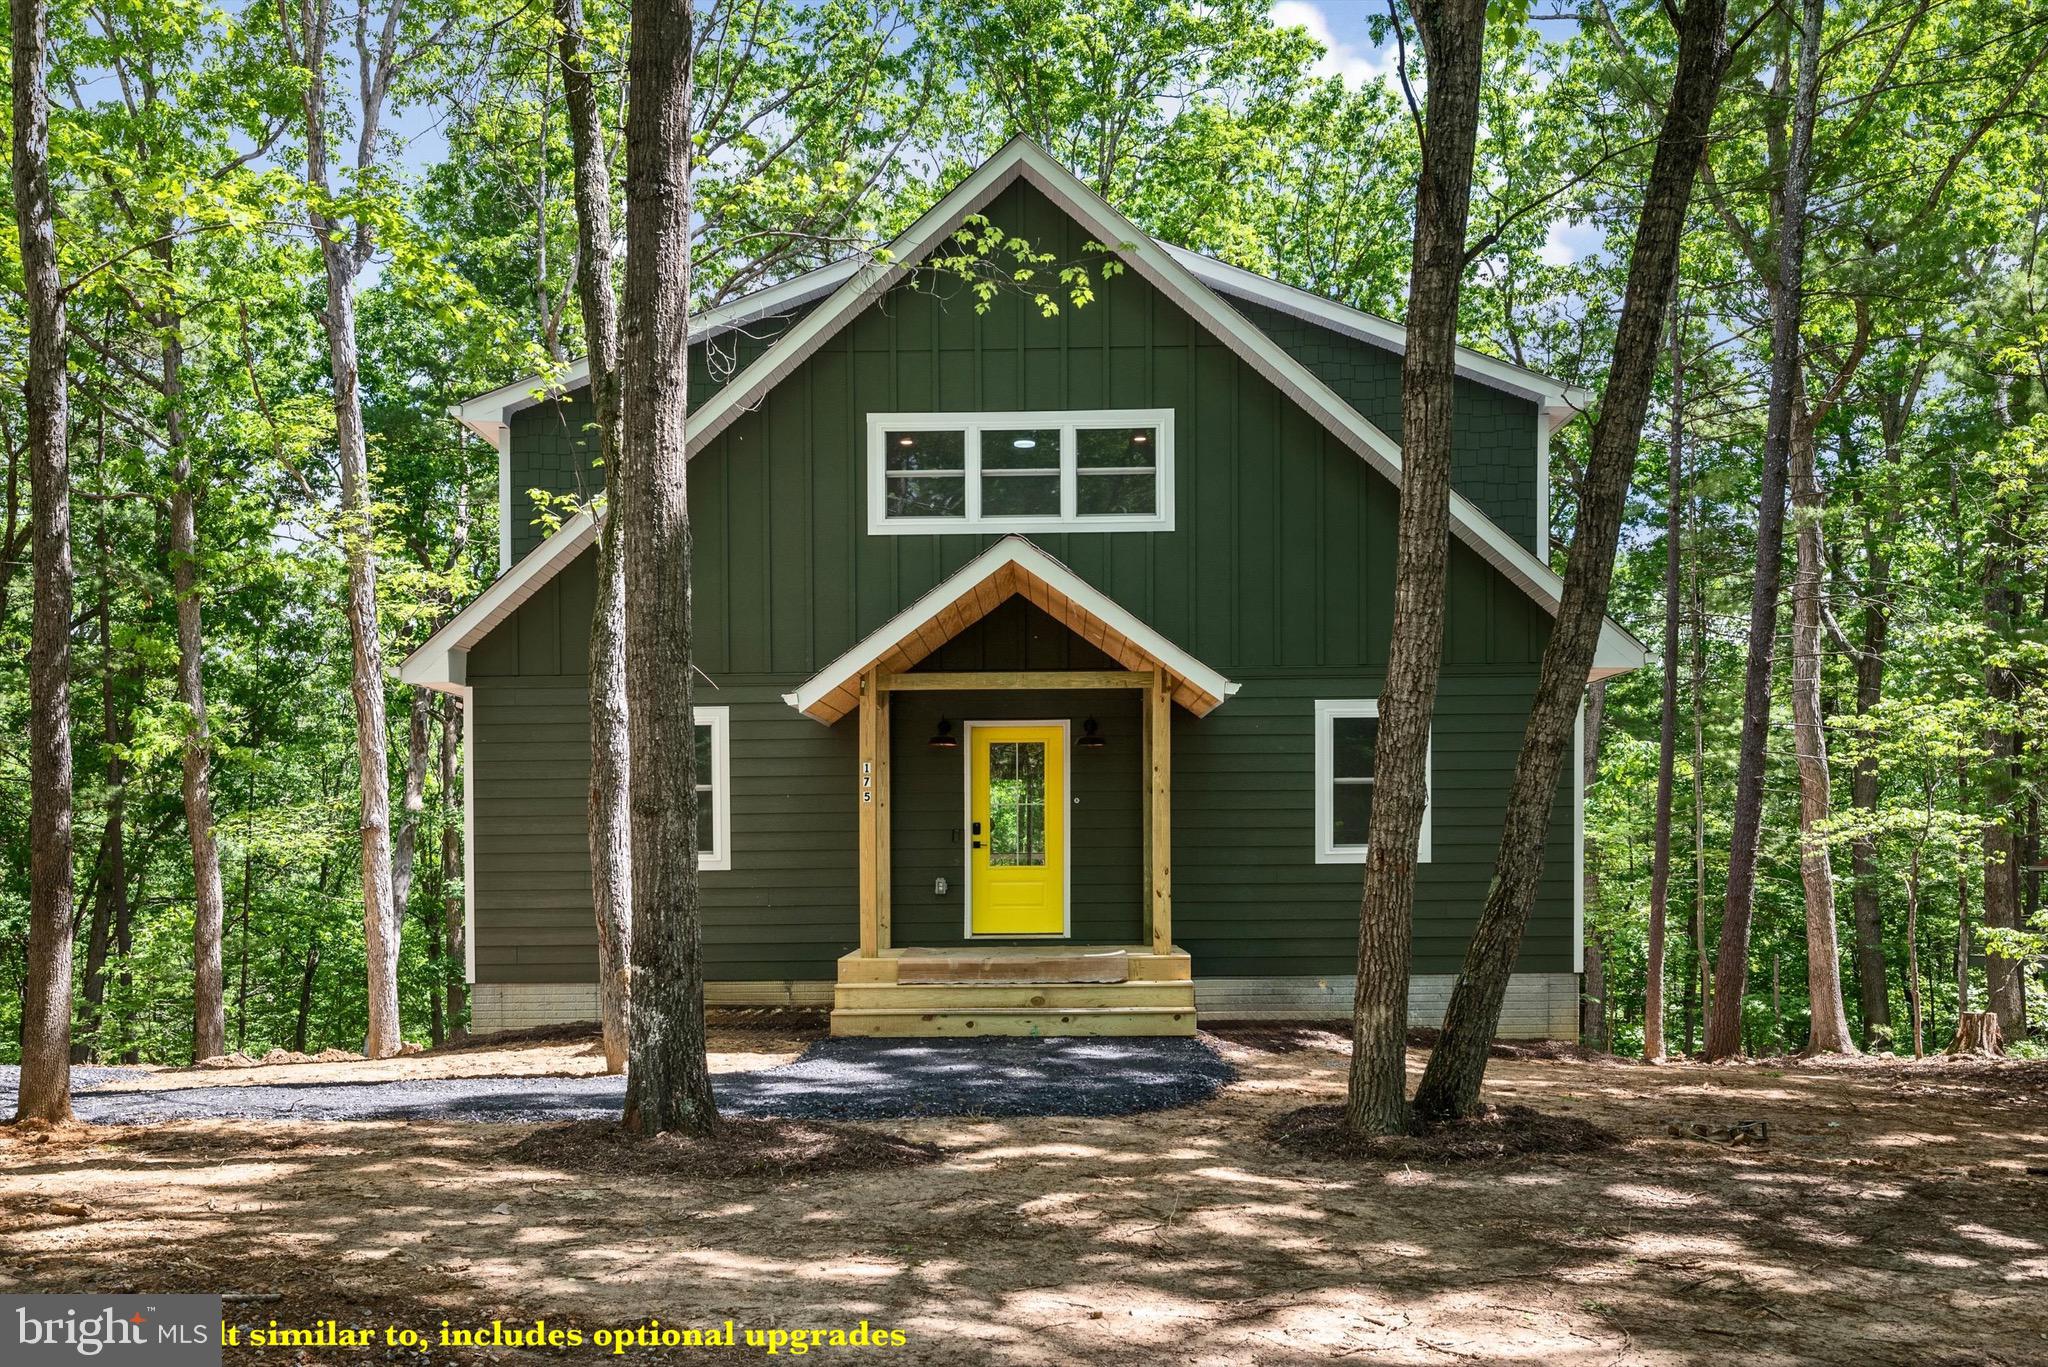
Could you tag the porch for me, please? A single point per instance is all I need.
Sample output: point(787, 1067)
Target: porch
point(1018, 960)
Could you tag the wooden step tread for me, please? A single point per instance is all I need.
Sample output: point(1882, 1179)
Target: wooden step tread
point(900, 996)
point(1078, 966)
point(1014, 1021)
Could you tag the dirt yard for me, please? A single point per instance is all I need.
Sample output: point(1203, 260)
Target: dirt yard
point(1897, 1214)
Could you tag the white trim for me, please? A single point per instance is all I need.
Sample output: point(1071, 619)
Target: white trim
point(1579, 839)
point(1023, 159)
point(1560, 402)
point(1328, 711)
point(1542, 546)
point(501, 440)
point(719, 719)
point(441, 658)
point(1066, 930)
point(486, 413)
point(1027, 556)
point(1069, 423)
point(467, 696)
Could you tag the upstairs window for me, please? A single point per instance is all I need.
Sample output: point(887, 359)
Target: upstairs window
point(1347, 742)
point(1021, 472)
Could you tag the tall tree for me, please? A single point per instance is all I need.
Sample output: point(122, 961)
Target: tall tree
point(1457, 1067)
point(1667, 727)
point(1453, 36)
point(610, 833)
point(668, 1078)
point(45, 1087)
point(346, 238)
point(1787, 288)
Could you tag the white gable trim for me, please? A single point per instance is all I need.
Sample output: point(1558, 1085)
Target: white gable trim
point(870, 278)
point(442, 660)
point(1560, 402)
point(1029, 557)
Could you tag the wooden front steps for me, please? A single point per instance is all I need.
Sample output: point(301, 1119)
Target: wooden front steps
point(1015, 990)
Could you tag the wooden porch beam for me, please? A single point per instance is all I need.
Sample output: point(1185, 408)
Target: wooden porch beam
point(874, 831)
point(1018, 679)
point(1159, 813)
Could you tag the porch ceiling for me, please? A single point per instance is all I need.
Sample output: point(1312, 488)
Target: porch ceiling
point(1011, 567)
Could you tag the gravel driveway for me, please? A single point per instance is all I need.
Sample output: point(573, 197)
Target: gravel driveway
point(834, 1079)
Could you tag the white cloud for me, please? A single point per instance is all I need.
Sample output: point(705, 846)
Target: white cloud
point(1569, 241)
point(1356, 66)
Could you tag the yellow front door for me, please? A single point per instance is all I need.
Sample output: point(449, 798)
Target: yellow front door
point(1017, 819)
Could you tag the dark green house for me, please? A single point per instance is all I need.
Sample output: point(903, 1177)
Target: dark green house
point(1040, 654)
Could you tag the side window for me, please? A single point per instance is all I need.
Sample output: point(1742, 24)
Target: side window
point(1347, 741)
point(714, 788)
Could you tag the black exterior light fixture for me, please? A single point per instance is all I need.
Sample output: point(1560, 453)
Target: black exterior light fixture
point(1089, 740)
point(944, 739)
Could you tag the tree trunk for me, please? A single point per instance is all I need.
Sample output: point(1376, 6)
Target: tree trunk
point(1667, 720)
point(305, 1014)
point(413, 802)
point(1457, 1067)
point(1915, 1009)
point(1873, 991)
point(1977, 1033)
point(2003, 977)
point(610, 818)
point(1453, 39)
point(1593, 1003)
point(453, 933)
point(112, 860)
point(1962, 942)
point(1788, 308)
point(342, 255)
point(1829, 1028)
point(1703, 963)
point(98, 941)
point(45, 1085)
point(668, 1082)
point(209, 903)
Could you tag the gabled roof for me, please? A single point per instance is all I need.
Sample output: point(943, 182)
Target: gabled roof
point(1012, 567)
point(1162, 267)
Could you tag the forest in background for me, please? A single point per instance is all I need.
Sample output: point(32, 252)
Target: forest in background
point(204, 442)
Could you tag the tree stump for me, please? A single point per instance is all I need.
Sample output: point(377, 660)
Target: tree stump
point(1977, 1033)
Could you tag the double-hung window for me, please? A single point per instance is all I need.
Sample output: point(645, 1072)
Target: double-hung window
point(1108, 470)
point(714, 787)
point(1347, 741)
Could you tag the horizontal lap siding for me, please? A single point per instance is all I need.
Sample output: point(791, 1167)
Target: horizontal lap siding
point(1249, 898)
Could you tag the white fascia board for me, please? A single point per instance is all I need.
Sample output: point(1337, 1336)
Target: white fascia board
point(1559, 401)
point(1027, 556)
point(441, 659)
point(486, 413)
point(1618, 652)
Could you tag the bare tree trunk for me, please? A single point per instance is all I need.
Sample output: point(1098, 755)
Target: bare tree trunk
point(45, 1087)
point(1457, 1067)
point(1829, 1030)
point(1788, 309)
point(668, 1080)
point(1702, 961)
point(453, 935)
point(305, 1014)
point(1453, 39)
point(343, 253)
point(1593, 1007)
point(1873, 990)
point(610, 817)
point(209, 902)
point(1667, 722)
point(85, 1048)
point(1962, 942)
point(1914, 1008)
point(413, 801)
point(2003, 977)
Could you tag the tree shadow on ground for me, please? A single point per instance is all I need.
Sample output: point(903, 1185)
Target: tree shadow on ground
point(1890, 1219)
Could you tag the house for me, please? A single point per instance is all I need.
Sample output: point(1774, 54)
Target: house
point(1040, 654)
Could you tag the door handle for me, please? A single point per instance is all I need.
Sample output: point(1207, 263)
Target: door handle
point(977, 844)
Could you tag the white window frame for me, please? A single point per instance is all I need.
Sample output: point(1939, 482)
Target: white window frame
point(970, 425)
point(719, 786)
point(1329, 711)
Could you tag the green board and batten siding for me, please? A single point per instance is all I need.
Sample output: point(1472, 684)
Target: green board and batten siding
point(1279, 573)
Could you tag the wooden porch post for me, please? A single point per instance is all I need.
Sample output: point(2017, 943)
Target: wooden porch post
point(1159, 811)
point(874, 815)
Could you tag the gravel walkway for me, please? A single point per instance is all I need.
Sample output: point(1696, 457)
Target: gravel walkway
point(834, 1079)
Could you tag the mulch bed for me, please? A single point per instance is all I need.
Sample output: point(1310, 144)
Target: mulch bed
point(741, 1148)
point(1500, 1132)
